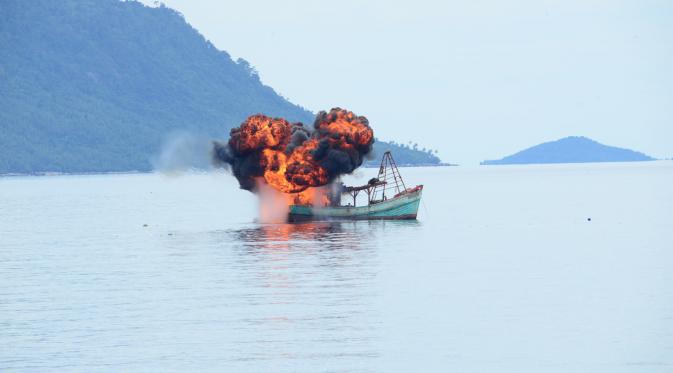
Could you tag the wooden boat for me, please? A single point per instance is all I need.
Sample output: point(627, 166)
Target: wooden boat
point(387, 199)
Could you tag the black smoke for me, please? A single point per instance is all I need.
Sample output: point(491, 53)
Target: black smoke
point(335, 150)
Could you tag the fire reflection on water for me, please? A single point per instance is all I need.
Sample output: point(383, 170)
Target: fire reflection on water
point(314, 236)
point(298, 279)
point(307, 291)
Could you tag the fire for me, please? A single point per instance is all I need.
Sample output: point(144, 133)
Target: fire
point(260, 132)
point(295, 173)
point(293, 160)
point(311, 196)
point(274, 204)
point(345, 129)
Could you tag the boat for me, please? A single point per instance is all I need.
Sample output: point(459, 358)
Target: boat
point(388, 198)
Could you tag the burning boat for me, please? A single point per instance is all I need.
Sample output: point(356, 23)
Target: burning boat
point(300, 168)
point(388, 198)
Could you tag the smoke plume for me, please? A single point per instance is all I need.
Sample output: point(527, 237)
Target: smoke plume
point(182, 151)
point(292, 158)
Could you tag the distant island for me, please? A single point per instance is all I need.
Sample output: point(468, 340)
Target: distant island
point(573, 149)
point(98, 86)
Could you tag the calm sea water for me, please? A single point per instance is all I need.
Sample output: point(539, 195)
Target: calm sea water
point(503, 272)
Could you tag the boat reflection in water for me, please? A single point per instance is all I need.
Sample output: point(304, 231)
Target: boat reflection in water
point(314, 235)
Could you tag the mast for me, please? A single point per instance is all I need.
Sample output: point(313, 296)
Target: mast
point(391, 178)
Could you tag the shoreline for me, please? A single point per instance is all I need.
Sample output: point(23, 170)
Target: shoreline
point(132, 172)
point(414, 165)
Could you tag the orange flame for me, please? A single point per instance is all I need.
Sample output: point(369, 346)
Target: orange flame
point(294, 166)
point(273, 204)
point(259, 132)
point(311, 196)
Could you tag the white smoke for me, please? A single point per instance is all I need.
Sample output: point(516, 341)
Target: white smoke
point(183, 151)
point(273, 204)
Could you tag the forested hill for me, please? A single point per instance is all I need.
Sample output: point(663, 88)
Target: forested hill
point(95, 85)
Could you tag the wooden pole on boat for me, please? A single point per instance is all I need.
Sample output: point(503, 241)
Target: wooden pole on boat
point(388, 162)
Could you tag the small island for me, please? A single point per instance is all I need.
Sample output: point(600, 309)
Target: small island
point(572, 149)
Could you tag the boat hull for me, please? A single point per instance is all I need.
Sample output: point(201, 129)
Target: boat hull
point(403, 207)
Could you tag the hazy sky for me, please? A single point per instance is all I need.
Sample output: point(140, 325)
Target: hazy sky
point(473, 79)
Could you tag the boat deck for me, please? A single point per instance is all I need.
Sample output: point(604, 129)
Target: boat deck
point(402, 206)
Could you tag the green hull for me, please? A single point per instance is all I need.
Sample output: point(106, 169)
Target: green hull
point(401, 207)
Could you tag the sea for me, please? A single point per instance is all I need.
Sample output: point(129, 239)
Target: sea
point(530, 268)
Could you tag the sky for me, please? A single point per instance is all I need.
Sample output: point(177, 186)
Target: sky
point(473, 79)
